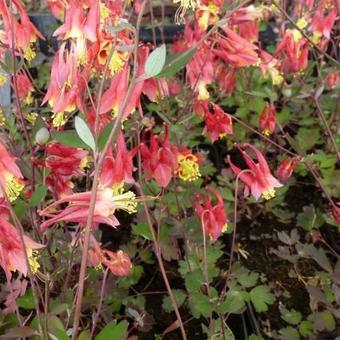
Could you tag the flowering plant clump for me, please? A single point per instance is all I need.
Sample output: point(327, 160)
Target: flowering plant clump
point(153, 182)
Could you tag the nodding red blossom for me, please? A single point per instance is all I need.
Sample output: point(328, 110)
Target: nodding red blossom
point(332, 79)
point(159, 158)
point(24, 32)
point(11, 179)
point(286, 168)
point(119, 262)
point(292, 52)
point(270, 66)
point(235, 50)
point(267, 121)
point(25, 87)
point(64, 160)
point(107, 202)
point(322, 24)
point(217, 123)
point(200, 69)
point(336, 212)
point(12, 251)
point(188, 164)
point(259, 180)
point(80, 26)
point(226, 78)
point(213, 217)
point(119, 168)
point(57, 8)
point(66, 85)
point(206, 12)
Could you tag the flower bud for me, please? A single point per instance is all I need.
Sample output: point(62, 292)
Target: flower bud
point(286, 168)
point(267, 120)
point(42, 136)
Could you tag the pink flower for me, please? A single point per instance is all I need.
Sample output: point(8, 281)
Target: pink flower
point(259, 181)
point(119, 263)
point(267, 120)
point(213, 217)
point(286, 168)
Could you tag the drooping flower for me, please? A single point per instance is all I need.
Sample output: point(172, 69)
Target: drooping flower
point(332, 79)
point(213, 216)
point(11, 179)
point(226, 78)
point(217, 123)
point(188, 165)
point(258, 180)
point(292, 52)
point(235, 50)
point(322, 24)
point(119, 168)
point(267, 121)
point(17, 288)
point(118, 262)
point(159, 158)
point(270, 66)
point(107, 202)
point(25, 87)
point(286, 168)
point(24, 32)
point(12, 256)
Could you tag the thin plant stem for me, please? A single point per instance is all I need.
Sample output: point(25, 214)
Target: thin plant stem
point(117, 124)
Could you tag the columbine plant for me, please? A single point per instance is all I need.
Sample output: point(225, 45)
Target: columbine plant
point(121, 162)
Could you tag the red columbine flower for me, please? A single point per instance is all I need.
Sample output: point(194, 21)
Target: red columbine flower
point(213, 217)
point(286, 168)
point(188, 164)
point(119, 263)
point(226, 78)
point(78, 209)
point(217, 123)
point(12, 256)
point(80, 26)
point(24, 32)
point(332, 79)
point(336, 212)
point(25, 87)
point(235, 50)
point(119, 168)
point(66, 85)
point(65, 160)
point(293, 52)
point(159, 158)
point(269, 66)
point(322, 24)
point(11, 180)
point(267, 120)
point(259, 181)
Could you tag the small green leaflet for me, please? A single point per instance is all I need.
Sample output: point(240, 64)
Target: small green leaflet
point(175, 62)
point(155, 62)
point(84, 133)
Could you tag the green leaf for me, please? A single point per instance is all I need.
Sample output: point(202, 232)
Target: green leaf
point(306, 328)
point(248, 279)
point(56, 327)
point(104, 136)
point(26, 301)
point(61, 334)
point(155, 62)
point(199, 305)
point(289, 333)
point(255, 337)
point(84, 132)
point(19, 332)
point(175, 62)
point(233, 303)
point(194, 280)
point(309, 219)
point(69, 138)
point(133, 278)
point(38, 195)
point(261, 297)
point(306, 138)
point(292, 316)
point(180, 297)
point(143, 230)
point(323, 321)
point(113, 331)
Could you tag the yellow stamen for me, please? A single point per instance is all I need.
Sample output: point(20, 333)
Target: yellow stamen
point(104, 11)
point(3, 79)
point(267, 195)
point(2, 117)
point(14, 187)
point(225, 228)
point(266, 132)
point(29, 54)
point(301, 23)
point(126, 201)
point(203, 93)
point(31, 117)
point(59, 119)
point(117, 61)
point(33, 261)
point(188, 168)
